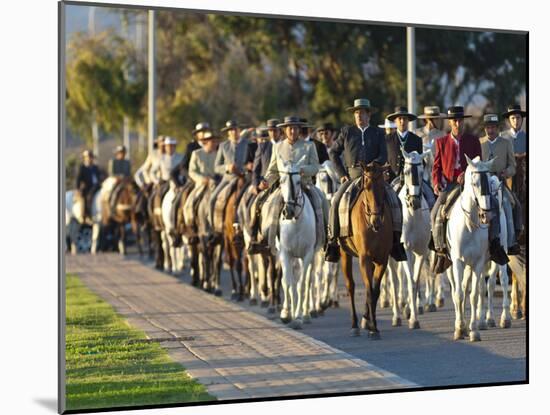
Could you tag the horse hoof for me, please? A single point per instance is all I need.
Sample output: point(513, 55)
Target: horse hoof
point(517, 314)
point(321, 312)
point(234, 296)
point(474, 336)
point(491, 322)
point(313, 314)
point(363, 323)
point(396, 322)
point(431, 308)
point(307, 320)
point(420, 310)
point(218, 292)
point(264, 304)
point(253, 301)
point(355, 332)
point(482, 325)
point(295, 324)
point(374, 335)
point(505, 323)
point(271, 310)
point(440, 302)
point(458, 335)
point(240, 298)
point(414, 325)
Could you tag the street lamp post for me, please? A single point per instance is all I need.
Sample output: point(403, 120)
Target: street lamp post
point(152, 127)
point(411, 73)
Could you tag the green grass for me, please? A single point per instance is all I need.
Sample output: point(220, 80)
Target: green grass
point(108, 364)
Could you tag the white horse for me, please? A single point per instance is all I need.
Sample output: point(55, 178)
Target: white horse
point(325, 290)
point(468, 242)
point(173, 255)
point(296, 241)
point(486, 316)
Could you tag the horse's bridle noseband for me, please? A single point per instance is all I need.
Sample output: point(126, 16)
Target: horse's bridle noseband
point(296, 201)
point(415, 182)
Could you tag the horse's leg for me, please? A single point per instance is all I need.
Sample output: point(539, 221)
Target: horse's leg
point(458, 297)
point(378, 274)
point(489, 316)
point(506, 318)
point(475, 276)
point(430, 279)
point(347, 270)
point(237, 261)
point(288, 313)
point(96, 227)
point(515, 309)
point(333, 272)
point(415, 262)
point(367, 271)
point(392, 278)
point(308, 264)
point(121, 239)
point(440, 288)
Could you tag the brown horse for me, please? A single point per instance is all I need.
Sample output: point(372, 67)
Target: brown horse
point(234, 243)
point(141, 223)
point(371, 242)
point(122, 213)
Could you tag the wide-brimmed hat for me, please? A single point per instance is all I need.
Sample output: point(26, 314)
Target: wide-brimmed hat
point(306, 125)
point(431, 112)
point(456, 112)
point(169, 141)
point(209, 135)
point(387, 124)
point(202, 126)
point(230, 125)
point(326, 126)
point(120, 149)
point(514, 109)
point(401, 112)
point(489, 119)
point(360, 103)
point(291, 120)
point(262, 132)
point(272, 123)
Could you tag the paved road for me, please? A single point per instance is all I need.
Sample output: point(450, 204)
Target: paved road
point(235, 353)
point(427, 357)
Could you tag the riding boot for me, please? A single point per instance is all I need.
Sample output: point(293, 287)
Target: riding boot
point(332, 251)
point(398, 250)
point(497, 253)
point(514, 249)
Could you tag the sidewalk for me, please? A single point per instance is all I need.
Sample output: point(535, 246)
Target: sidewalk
point(235, 353)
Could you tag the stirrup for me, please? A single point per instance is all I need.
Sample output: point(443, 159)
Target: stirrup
point(332, 252)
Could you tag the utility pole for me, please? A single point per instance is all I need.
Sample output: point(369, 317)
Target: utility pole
point(95, 126)
point(125, 122)
point(152, 126)
point(411, 74)
point(139, 47)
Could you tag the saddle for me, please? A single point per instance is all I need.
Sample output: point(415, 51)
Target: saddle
point(221, 204)
point(346, 204)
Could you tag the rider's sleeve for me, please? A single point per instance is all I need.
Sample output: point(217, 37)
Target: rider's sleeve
point(194, 169)
point(219, 164)
point(155, 172)
point(257, 166)
point(312, 167)
point(335, 152)
point(510, 160)
point(272, 173)
point(436, 169)
point(141, 175)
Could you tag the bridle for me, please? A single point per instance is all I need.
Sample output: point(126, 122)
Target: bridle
point(485, 191)
point(367, 209)
point(297, 200)
point(410, 199)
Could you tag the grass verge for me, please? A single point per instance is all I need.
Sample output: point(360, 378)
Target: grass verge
point(108, 363)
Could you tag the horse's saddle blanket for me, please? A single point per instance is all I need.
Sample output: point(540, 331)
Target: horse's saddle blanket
point(346, 204)
point(221, 203)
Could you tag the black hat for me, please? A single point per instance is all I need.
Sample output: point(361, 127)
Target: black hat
point(261, 132)
point(456, 112)
point(514, 109)
point(360, 103)
point(291, 120)
point(401, 112)
point(490, 119)
point(306, 125)
point(209, 135)
point(430, 113)
point(326, 126)
point(230, 125)
point(202, 126)
point(272, 123)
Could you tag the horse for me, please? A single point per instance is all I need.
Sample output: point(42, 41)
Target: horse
point(371, 241)
point(415, 235)
point(326, 273)
point(486, 316)
point(141, 223)
point(296, 241)
point(468, 242)
point(122, 213)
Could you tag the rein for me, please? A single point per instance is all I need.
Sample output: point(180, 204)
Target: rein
point(415, 182)
point(296, 199)
point(484, 191)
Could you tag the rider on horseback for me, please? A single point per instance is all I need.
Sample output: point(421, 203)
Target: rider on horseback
point(88, 181)
point(161, 171)
point(118, 168)
point(230, 163)
point(143, 176)
point(504, 166)
point(448, 178)
point(360, 143)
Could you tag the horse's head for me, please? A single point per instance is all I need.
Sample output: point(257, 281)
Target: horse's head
point(126, 199)
point(476, 181)
point(291, 188)
point(413, 172)
point(374, 193)
point(495, 184)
